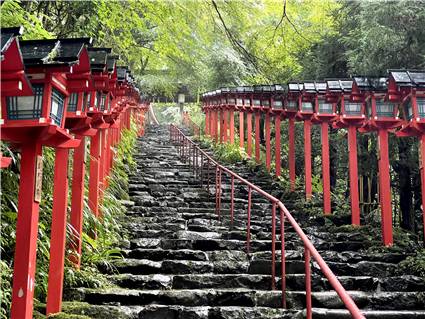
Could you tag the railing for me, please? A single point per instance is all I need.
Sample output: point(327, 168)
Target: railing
point(195, 128)
point(196, 157)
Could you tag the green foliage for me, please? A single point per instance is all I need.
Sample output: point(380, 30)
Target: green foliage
point(229, 153)
point(414, 265)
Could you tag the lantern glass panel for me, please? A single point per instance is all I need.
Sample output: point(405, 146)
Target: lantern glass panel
point(325, 107)
point(257, 103)
point(408, 108)
point(72, 102)
point(26, 107)
point(277, 104)
point(291, 105)
point(265, 103)
point(420, 101)
point(385, 108)
point(57, 106)
point(87, 97)
point(352, 108)
point(247, 102)
point(98, 100)
point(232, 101)
point(307, 107)
point(102, 103)
point(239, 101)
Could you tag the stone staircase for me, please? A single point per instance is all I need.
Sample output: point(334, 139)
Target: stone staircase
point(182, 262)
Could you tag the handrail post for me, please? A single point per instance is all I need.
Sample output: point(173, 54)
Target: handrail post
point(282, 257)
point(232, 201)
point(273, 246)
point(208, 177)
point(307, 258)
point(248, 229)
point(218, 192)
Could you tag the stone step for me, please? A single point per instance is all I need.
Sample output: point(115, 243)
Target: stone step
point(229, 312)
point(249, 298)
point(263, 282)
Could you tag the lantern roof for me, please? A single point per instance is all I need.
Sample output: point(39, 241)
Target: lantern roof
point(408, 77)
point(339, 85)
point(98, 58)
point(13, 83)
point(53, 52)
point(294, 87)
point(7, 37)
point(418, 77)
point(278, 88)
point(309, 87)
point(248, 89)
point(377, 84)
point(321, 87)
point(225, 90)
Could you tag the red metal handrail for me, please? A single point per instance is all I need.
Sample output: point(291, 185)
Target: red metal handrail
point(190, 150)
point(195, 128)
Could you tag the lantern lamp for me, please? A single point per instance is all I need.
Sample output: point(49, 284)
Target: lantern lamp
point(239, 96)
point(248, 97)
point(292, 97)
point(278, 94)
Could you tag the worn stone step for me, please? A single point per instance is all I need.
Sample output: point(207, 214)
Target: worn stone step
point(264, 282)
point(250, 298)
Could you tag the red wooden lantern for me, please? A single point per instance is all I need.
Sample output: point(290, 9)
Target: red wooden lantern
point(408, 88)
point(290, 110)
point(305, 113)
point(239, 94)
point(383, 115)
point(266, 102)
point(257, 107)
point(224, 113)
point(231, 106)
point(96, 110)
point(33, 121)
point(277, 101)
point(324, 113)
point(76, 83)
point(248, 105)
point(351, 116)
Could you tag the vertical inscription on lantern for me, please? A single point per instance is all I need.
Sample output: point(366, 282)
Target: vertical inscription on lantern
point(38, 178)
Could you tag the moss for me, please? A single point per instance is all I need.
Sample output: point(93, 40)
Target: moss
point(414, 265)
point(83, 310)
point(68, 316)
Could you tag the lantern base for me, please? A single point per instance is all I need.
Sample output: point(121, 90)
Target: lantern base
point(304, 116)
point(47, 134)
point(323, 118)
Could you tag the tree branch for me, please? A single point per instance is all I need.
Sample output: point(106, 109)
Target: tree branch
point(238, 46)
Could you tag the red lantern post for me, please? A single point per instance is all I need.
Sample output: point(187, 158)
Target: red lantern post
point(325, 113)
point(408, 88)
point(33, 121)
point(383, 117)
point(290, 111)
point(277, 102)
point(256, 107)
point(351, 117)
point(239, 106)
point(98, 61)
point(305, 113)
